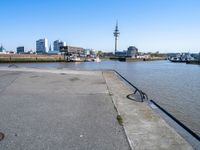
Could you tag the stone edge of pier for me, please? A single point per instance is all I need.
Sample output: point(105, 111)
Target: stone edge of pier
point(145, 129)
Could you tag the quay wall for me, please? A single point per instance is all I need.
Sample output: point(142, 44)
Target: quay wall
point(25, 58)
point(145, 59)
point(137, 59)
point(193, 62)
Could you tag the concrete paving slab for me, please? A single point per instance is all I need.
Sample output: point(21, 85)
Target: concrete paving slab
point(65, 109)
point(59, 110)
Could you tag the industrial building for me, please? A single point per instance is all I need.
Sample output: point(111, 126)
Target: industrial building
point(71, 50)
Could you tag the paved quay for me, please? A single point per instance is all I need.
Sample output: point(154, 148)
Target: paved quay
point(75, 110)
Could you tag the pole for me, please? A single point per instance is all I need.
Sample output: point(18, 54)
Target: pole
point(116, 45)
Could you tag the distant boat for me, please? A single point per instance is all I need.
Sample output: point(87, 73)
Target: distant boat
point(97, 59)
point(177, 59)
point(74, 58)
point(77, 59)
point(182, 58)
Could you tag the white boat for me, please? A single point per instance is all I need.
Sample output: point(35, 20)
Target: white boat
point(97, 59)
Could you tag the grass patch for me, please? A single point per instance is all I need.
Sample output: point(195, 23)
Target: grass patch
point(120, 120)
point(74, 79)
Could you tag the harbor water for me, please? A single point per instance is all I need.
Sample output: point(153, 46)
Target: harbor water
point(174, 86)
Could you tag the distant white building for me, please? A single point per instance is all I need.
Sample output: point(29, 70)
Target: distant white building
point(86, 52)
point(57, 44)
point(42, 46)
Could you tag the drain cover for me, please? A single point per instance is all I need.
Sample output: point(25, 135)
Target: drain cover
point(1, 136)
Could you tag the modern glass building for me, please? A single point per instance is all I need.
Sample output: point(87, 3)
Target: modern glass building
point(20, 49)
point(57, 44)
point(42, 46)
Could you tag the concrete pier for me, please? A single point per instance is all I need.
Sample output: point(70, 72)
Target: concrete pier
point(144, 128)
point(65, 109)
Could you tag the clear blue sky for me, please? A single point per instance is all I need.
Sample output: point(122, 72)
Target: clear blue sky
point(150, 25)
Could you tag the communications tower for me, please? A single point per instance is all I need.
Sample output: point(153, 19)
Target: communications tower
point(116, 35)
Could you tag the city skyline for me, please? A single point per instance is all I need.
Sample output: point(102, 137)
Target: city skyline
point(167, 26)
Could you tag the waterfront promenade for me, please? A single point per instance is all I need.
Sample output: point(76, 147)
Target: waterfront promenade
point(66, 109)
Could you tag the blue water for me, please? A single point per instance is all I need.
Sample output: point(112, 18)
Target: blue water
point(175, 86)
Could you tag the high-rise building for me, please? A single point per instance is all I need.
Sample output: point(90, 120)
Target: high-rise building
point(57, 44)
point(42, 46)
point(20, 49)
